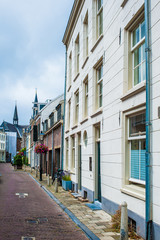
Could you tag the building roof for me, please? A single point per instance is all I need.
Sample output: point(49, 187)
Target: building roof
point(74, 15)
point(9, 127)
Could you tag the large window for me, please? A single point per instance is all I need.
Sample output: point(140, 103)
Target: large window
point(76, 107)
point(77, 53)
point(67, 153)
point(70, 71)
point(69, 113)
point(99, 85)
point(137, 147)
point(85, 32)
point(138, 54)
point(99, 17)
point(86, 98)
point(73, 152)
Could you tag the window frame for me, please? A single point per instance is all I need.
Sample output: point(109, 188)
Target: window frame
point(85, 37)
point(138, 45)
point(77, 54)
point(129, 140)
point(98, 17)
point(99, 81)
point(76, 107)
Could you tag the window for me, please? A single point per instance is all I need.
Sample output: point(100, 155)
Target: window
point(73, 153)
point(137, 147)
point(77, 53)
point(99, 85)
point(138, 54)
point(85, 139)
point(70, 70)
point(86, 98)
point(45, 126)
point(69, 113)
point(67, 153)
point(51, 119)
point(85, 39)
point(76, 107)
point(99, 17)
point(58, 108)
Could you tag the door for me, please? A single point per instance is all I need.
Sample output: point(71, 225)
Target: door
point(79, 167)
point(57, 152)
point(97, 164)
point(99, 170)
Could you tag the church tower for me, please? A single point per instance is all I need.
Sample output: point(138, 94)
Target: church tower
point(35, 105)
point(15, 116)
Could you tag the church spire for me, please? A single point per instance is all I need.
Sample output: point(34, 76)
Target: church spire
point(35, 104)
point(15, 116)
point(36, 98)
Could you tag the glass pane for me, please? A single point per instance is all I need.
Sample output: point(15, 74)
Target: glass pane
point(136, 76)
point(100, 2)
point(100, 101)
point(101, 88)
point(135, 159)
point(135, 36)
point(144, 71)
point(101, 23)
point(137, 125)
point(143, 52)
point(142, 30)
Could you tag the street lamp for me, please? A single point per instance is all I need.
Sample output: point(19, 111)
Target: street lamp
point(40, 170)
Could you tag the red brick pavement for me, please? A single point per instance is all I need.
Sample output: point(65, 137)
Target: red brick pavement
point(16, 213)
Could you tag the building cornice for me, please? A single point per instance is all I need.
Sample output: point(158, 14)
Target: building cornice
point(73, 18)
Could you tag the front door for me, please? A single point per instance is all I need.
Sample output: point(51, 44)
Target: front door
point(97, 164)
point(79, 168)
point(99, 171)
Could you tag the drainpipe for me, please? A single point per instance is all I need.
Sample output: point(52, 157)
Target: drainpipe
point(62, 152)
point(52, 154)
point(148, 165)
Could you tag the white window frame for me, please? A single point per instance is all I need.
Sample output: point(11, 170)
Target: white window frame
point(77, 107)
point(85, 39)
point(73, 153)
point(98, 15)
point(98, 85)
point(77, 54)
point(138, 137)
point(70, 70)
point(133, 48)
point(86, 98)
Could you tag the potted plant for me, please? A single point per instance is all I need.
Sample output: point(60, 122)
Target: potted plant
point(66, 182)
point(18, 161)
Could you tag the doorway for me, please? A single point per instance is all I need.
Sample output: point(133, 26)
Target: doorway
point(97, 164)
point(79, 162)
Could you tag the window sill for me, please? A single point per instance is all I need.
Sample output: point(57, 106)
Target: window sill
point(135, 90)
point(134, 190)
point(85, 62)
point(75, 126)
point(124, 3)
point(69, 88)
point(84, 120)
point(76, 77)
point(98, 112)
point(97, 42)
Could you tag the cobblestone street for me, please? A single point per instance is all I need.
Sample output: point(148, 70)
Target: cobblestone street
point(33, 213)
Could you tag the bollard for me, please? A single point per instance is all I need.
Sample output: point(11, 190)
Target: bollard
point(56, 185)
point(36, 172)
point(124, 222)
point(31, 169)
point(48, 180)
point(24, 167)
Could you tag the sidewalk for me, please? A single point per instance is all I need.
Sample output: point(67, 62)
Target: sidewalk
point(98, 222)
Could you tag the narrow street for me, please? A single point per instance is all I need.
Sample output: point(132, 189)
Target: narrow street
point(27, 211)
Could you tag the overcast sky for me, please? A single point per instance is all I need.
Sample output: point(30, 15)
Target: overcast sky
point(32, 54)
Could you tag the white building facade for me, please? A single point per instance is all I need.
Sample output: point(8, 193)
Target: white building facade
point(105, 106)
point(2, 146)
